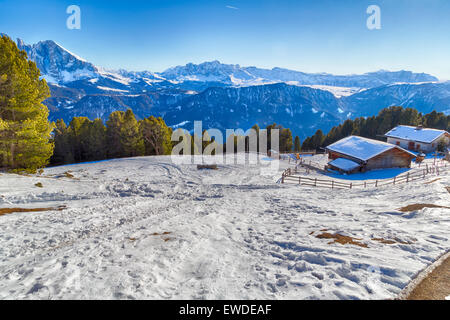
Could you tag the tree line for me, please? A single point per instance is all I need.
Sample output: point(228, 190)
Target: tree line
point(122, 136)
point(376, 126)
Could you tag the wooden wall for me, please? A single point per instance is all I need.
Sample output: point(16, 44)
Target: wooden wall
point(393, 158)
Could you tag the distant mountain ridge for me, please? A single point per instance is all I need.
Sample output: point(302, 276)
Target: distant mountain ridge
point(227, 95)
point(58, 65)
point(237, 75)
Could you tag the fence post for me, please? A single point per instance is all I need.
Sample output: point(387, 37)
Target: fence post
point(332, 184)
point(282, 178)
point(364, 184)
point(407, 177)
point(300, 180)
point(315, 182)
point(351, 184)
point(394, 179)
point(376, 183)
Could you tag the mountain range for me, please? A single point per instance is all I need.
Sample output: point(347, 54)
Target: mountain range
point(226, 95)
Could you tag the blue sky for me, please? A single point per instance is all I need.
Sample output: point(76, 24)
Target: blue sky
point(311, 36)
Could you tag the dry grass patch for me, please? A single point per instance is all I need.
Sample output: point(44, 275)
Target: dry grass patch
point(67, 174)
point(160, 234)
point(391, 241)
point(420, 206)
point(339, 238)
point(430, 182)
point(207, 166)
point(382, 240)
point(163, 236)
point(39, 185)
point(4, 211)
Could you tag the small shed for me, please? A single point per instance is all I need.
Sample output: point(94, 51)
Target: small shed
point(418, 138)
point(356, 154)
point(344, 165)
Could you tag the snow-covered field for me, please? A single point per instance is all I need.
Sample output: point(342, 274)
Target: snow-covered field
point(146, 228)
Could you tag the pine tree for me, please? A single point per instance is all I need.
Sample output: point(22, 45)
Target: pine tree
point(297, 145)
point(63, 148)
point(77, 127)
point(257, 130)
point(157, 136)
point(306, 146)
point(182, 146)
point(317, 140)
point(93, 140)
point(130, 136)
point(206, 139)
point(113, 134)
point(25, 136)
point(285, 137)
point(285, 140)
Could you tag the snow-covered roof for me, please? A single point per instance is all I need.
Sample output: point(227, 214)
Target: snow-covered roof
point(362, 148)
point(425, 135)
point(344, 164)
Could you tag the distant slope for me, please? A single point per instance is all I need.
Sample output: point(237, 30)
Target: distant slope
point(424, 97)
point(302, 109)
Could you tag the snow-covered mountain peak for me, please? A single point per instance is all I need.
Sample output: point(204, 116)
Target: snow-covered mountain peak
point(209, 71)
point(57, 64)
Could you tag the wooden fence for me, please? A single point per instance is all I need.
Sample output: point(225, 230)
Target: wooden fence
point(289, 175)
point(308, 164)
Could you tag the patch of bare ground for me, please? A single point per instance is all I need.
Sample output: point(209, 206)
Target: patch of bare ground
point(435, 286)
point(420, 206)
point(163, 236)
point(207, 166)
point(339, 238)
point(68, 174)
point(448, 189)
point(391, 241)
point(4, 211)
